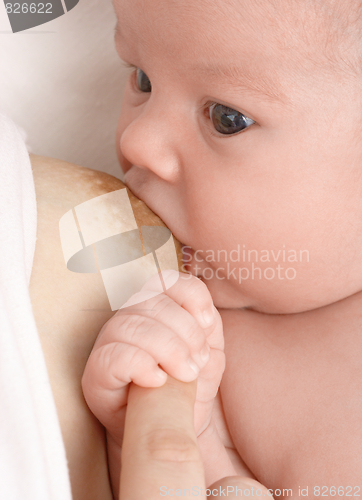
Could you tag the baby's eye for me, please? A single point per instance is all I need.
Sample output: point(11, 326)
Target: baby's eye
point(143, 82)
point(227, 120)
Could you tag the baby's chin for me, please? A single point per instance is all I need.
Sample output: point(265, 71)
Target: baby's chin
point(286, 289)
point(264, 296)
point(226, 295)
point(222, 291)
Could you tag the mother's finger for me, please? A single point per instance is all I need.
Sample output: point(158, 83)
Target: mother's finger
point(159, 450)
point(234, 487)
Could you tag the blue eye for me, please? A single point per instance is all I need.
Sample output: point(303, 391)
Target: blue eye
point(228, 121)
point(143, 82)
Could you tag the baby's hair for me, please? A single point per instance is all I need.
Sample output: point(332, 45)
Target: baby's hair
point(335, 26)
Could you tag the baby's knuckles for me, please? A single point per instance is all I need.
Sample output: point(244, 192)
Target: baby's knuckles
point(151, 316)
point(190, 293)
point(187, 290)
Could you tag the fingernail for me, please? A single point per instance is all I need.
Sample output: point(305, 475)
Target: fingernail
point(161, 374)
point(193, 366)
point(205, 353)
point(208, 316)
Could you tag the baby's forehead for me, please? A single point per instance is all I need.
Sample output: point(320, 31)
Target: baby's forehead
point(322, 31)
point(313, 34)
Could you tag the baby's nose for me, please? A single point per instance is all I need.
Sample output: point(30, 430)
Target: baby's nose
point(148, 142)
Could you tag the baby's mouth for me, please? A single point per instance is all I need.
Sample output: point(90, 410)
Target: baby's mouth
point(187, 251)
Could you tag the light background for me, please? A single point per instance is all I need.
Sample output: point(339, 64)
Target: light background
point(63, 83)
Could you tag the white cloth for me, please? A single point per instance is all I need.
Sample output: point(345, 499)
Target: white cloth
point(33, 463)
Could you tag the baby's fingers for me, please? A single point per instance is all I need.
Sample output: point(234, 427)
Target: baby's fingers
point(187, 291)
point(109, 370)
point(162, 343)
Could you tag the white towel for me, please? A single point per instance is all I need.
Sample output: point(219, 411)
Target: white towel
point(33, 463)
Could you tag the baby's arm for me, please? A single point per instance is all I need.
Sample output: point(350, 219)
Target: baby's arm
point(166, 330)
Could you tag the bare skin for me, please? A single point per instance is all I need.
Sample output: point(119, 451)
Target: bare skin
point(291, 390)
point(165, 460)
point(70, 309)
point(291, 179)
point(301, 432)
point(291, 396)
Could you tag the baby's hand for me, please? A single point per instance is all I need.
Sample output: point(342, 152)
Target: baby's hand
point(179, 330)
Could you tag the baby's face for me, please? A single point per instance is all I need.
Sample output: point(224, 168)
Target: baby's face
point(240, 137)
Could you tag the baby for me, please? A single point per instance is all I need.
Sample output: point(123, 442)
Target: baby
point(241, 128)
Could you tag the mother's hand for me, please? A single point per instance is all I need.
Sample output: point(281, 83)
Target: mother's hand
point(159, 450)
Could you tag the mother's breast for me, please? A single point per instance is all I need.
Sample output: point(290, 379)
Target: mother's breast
point(70, 309)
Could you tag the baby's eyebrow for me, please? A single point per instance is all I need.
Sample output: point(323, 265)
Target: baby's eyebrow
point(238, 78)
point(242, 80)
